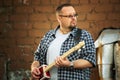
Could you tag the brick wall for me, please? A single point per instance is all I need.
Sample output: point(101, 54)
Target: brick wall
point(24, 22)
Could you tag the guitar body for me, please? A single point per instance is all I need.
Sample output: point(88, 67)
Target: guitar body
point(44, 75)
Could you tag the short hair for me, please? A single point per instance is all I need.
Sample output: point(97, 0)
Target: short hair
point(59, 8)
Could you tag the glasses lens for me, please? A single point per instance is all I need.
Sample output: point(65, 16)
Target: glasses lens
point(75, 15)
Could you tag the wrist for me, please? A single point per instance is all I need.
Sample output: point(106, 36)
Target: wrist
point(72, 64)
point(34, 67)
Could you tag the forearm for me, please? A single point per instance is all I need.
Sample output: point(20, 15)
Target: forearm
point(81, 63)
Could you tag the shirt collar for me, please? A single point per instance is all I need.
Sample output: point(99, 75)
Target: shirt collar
point(72, 33)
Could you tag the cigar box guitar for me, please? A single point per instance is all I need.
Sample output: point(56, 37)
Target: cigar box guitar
point(44, 69)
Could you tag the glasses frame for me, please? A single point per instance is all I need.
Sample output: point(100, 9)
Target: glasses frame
point(69, 16)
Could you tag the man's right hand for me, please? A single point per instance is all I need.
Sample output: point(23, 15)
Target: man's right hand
point(35, 72)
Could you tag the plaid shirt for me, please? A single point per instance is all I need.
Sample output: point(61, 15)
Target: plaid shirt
point(86, 53)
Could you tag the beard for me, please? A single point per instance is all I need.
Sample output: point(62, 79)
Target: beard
point(73, 24)
point(71, 27)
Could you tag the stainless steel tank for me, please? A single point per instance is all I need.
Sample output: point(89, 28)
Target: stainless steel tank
point(105, 62)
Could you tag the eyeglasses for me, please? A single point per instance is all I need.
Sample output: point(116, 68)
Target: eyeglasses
point(69, 16)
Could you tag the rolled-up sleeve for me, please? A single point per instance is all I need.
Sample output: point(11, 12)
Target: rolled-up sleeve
point(89, 52)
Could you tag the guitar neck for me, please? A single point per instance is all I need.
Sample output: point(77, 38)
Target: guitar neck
point(78, 46)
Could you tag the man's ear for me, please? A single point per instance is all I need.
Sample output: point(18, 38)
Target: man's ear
point(58, 18)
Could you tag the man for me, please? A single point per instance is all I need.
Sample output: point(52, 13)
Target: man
point(56, 42)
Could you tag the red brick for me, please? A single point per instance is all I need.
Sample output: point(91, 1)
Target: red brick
point(14, 50)
point(84, 8)
point(81, 17)
point(17, 2)
point(21, 2)
point(17, 33)
point(28, 59)
point(18, 18)
point(24, 9)
point(117, 8)
point(96, 17)
point(45, 2)
point(7, 42)
point(34, 47)
point(9, 51)
point(54, 24)
point(1, 2)
point(75, 2)
point(52, 17)
point(26, 2)
point(94, 1)
point(18, 49)
point(38, 17)
point(2, 66)
point(114, 16)
point(42, 25)
point(44, 9)
point(83, 25)
point(7, 2)
point(55, 2)
point(2, 49)
point(63, 1)
point(3, 18)
point(108, 24)
point(37, 41)
point(2, 42)
point(115, 1)
point(37, 33)
point(36, 2)
point(22, 26)
point(28, 51)
point(93, 24)
point(4, 28)
point(83, 1)
point(17, 64)
point(104, 1)
point(6, 10)
point(104, 8)
point(20, 56)
point(25, 41)
point(11, 42)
